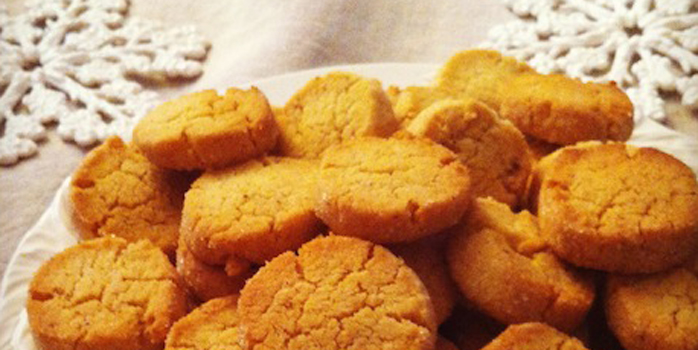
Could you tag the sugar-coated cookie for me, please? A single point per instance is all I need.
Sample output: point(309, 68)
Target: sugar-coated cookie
point(658, 311)
point(337, 293)
point(391, 190)
point(493, 149)
point(331, 109)
point(211, 326)
point(252, 211)
point(105, 294)
point(211, 281)
point(116, 191)
point(534, 336)
point(617, 208)
point(203, 130)
point(503, 266)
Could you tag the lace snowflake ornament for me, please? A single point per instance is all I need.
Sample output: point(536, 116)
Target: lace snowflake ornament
point(648, 47)
point(78, 64)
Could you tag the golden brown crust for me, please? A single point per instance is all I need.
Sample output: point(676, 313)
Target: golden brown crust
point(203, 130)
point(391, 190)
point(495, 152)
point(503, 266)
point(117, 191)
point(427, 259)
point(564, 111)
point(105, 294)
point(331, 109)
point(534, 336)
point(337, 293)
point(206, 281)
point(253, 211)
point(658, 311)
point(617, 208)
point(211, 326)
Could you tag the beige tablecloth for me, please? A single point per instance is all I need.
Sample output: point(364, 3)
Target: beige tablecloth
point(255, 39)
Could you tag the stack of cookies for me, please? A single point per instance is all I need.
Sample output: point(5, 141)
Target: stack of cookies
point(495, 209)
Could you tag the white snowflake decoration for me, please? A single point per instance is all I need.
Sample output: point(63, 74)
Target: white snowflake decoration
point(648, 47)
point(76, 63)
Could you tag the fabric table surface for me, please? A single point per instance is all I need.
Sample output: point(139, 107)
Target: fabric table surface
point(253, 40)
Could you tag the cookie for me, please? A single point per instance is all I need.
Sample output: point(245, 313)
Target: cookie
point(479, 136)
point(391, 190)
point(337, 293)
point(503, 266)
point(564, 111)
point(211, 326)
point(252, 211)
point(116, 191)
point(534, 336)
point(206, 281)
point(105, 294)
point(409, 102)
point(617, 208)
point(426, 258)
point(331, 109)
point(554, 108)
point(481, 75)
point(203, 130)
point(658, 311)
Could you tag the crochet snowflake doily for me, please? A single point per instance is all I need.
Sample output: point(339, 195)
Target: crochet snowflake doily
point(648, 47)
point(77, 64)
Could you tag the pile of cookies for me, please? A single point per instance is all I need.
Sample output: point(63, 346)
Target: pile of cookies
point(495, 209)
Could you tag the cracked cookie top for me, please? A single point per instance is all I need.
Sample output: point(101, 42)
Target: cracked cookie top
point(337, 293)
point(117, 191)
point(203, 130)
point(617, 208)
point(105, 294)
point(211, 326)
point(495, 152)
point(331, 109)
point(391, 190)
point(253, 211)
point(658, 311)
point(504, 267)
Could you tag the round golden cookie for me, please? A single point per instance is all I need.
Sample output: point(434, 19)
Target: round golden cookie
point(252, 211)
point(503, 266)
point(337, 293)
point(495, 152)
point(658, 311)
point(117, 191)
point(564, 111)
point(391, 190)
point(534, 336)
point(105, 294)
point(211, 326)
point(617, 208)
point(206, 281)
point(481, 75)
point(331, 109)
point(203, 130)
point(426, 258)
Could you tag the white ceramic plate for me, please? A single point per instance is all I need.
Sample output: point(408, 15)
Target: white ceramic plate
point(53, 232)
